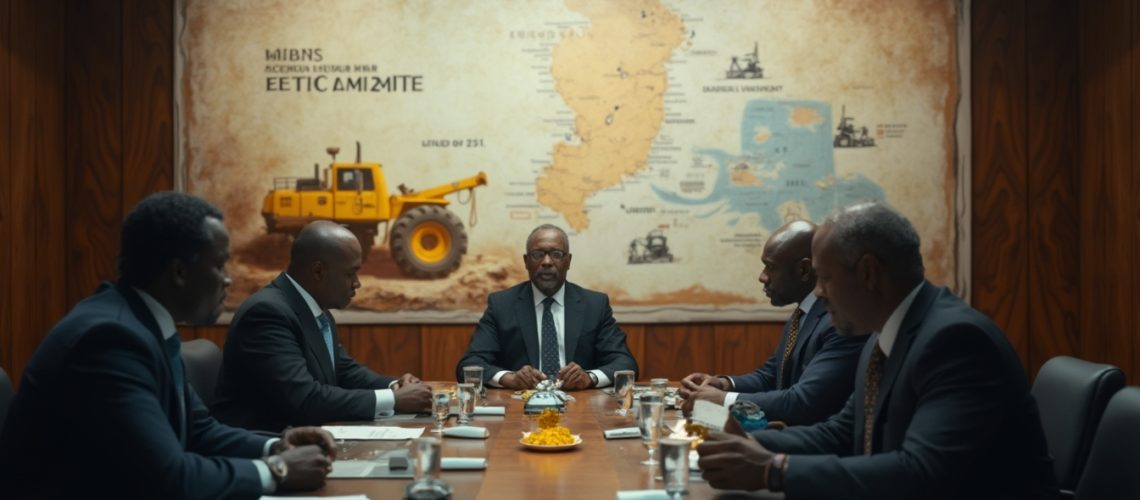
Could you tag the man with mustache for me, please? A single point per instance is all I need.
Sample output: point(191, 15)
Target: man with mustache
point(547, 328)
point(283, 365)
point(810, 375)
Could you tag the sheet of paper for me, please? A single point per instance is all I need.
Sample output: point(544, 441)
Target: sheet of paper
point(710, 415)
point(373, 433)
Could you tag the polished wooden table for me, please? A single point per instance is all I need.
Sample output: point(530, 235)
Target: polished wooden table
point(595, 469)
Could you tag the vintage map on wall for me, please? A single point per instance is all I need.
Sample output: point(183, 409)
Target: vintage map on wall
point(668, 137)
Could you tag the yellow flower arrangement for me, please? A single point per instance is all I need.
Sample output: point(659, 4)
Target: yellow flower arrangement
point(549, 432)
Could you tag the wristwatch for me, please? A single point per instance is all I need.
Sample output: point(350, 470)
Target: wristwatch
point(593, 379)
point(278, 468)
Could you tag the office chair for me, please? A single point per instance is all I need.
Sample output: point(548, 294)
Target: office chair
point(202, 360)
point(1111, 472)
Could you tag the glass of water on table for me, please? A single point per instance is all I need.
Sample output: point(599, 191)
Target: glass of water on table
point(473, 374)
point(623, 390)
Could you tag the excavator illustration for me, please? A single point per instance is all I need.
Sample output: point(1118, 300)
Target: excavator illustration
point(426, 239)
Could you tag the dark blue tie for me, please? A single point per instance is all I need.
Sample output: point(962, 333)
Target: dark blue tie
point(173, 348)
point(550, 364)
point(326, 332)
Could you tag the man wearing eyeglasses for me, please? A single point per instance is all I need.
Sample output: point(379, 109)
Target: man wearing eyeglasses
point(546, 328)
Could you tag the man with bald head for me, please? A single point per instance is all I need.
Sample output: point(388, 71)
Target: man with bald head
point(810, 375)
point(283, 365)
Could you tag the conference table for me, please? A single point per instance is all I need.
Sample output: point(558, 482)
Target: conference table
point(595, 469)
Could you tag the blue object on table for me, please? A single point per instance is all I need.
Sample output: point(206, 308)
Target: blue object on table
point(750, 416)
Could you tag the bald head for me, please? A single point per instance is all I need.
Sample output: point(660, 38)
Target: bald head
point(325, 260)
point(787, 275)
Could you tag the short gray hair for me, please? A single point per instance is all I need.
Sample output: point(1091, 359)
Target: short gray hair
point(550, 227)
point(875, 229)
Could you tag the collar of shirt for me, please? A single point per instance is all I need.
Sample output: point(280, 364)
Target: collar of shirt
point(309, 300)
point(559, 297)
point(807, 303)
point(161, 315)
point(894, 321)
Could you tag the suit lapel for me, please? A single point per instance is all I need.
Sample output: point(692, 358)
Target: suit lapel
point(528, 323)
point(143, 314)
point(310, 330)
point(572, 319)
point(905, 337)
point(807, 330)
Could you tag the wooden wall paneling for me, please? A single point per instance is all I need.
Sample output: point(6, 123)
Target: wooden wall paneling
point(6, 239)
point(93, 129)
point(441, 346)
point(742, 347)
point(148, 110)
point(1106, 209)
point(1134, 214)
point(998, 81)
point(1053, 154)
point(635, 339)
point(675, 350)
point(213, 333)
point(38, 177)
point(388, 349)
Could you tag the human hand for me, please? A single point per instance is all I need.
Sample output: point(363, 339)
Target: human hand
point(301, 436)
point(705, 392)
point(573, 377)
point(413, 398)
point(733, 462)
point(406, 379)
point(308, 466)
point(526, 377)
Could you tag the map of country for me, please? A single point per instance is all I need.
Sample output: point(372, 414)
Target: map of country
point(613, 78)
point(796, 159)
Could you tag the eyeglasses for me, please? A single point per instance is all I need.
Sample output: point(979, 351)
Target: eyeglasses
point(537, 255)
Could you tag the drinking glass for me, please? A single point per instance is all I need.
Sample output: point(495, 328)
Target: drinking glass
point(659, 385)
point(675, 465)
point(649, 421)
point(623, 390)
point(427, 484)
point(466, 395)
point(473, 374)
point(441, 407)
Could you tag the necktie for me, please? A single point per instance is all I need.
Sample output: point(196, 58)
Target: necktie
point(326, 332)
point(871, 392)
point(550, 364)
point(173, 348)
point(793, 333)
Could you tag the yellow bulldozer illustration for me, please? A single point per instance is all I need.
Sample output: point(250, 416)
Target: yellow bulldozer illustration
point(426, 240)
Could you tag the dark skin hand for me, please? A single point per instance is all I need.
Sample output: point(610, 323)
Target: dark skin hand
point(706, 392)
point(526, 377)
point(406, 379)
point(308, 466)
point(301, 436)
point(413, 398)
point(732, 460)
point(574, 378)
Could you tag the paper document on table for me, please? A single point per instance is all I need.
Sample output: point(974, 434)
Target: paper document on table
point(373, 433)
point(710, 415)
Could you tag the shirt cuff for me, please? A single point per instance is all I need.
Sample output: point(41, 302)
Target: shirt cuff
point(385, 403)
point(603, 380)
point(494, 382)
point(269, 447)
point(730, 398)
point(268, 485)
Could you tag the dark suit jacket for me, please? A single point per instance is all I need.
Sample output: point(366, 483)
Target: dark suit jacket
point(821, 377)
point(97, 415)
point(276, 370)
point(506, 337)
point(954, 419)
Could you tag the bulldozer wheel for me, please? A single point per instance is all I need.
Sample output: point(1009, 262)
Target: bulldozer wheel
point(428, 242)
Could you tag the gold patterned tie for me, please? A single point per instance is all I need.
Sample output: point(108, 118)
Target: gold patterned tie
point(871, 392)
point(793, 333)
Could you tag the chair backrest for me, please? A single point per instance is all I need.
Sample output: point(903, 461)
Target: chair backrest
point(6, 395)
point(1071, 395)
point(202, 360)
point(1113, 468)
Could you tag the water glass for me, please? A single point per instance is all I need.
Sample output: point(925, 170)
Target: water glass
point(675, 465)
point(466, 395)
point(623, 390)
point(659, 385)
point(649, 415)
point(441, 407)
point(427, 484)
point(473, 374)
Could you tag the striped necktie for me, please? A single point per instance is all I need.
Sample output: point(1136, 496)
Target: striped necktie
point(326, 332)
point(871, 393)
point(793, 334)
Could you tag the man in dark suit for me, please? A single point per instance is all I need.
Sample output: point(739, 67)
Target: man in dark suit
point(104, 409)
point(941, 407)
point(564, 330)
point(283, 364)
point(809, 377)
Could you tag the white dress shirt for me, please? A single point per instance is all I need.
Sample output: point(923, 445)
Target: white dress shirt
point(894, 321)
point(805, 306)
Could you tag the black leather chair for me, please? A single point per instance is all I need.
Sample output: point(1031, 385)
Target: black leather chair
point(1072, 394)
point(1113, 468)
point(202, 360)
point(6, 395)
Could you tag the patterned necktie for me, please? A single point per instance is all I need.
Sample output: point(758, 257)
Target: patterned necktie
point(550, 364)
point(871, 392)
point(326, 332)
point(793, 333)
point(173, 348)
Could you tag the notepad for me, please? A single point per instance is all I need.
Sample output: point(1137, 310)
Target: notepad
point(622, 433)
point(373, 432)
